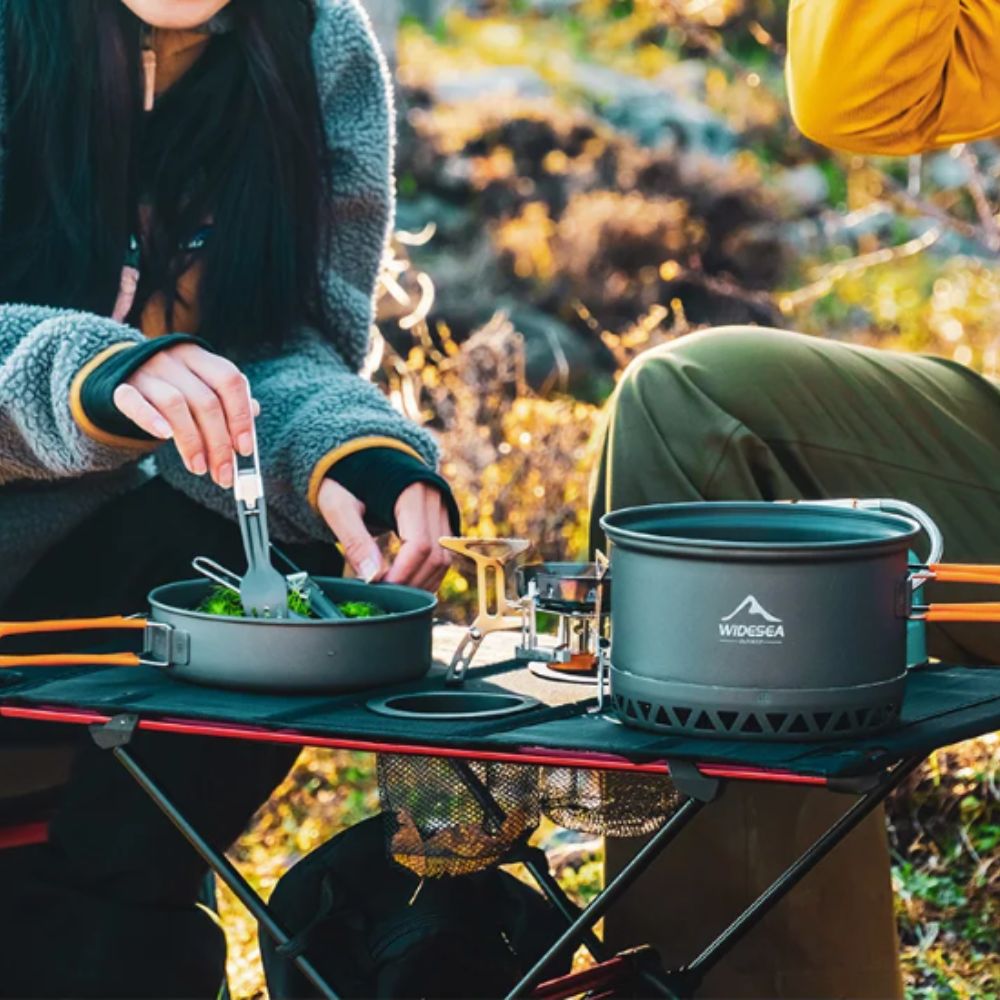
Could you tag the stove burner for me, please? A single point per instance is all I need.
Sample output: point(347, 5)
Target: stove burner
point(557, 673)
point(564, 587)
point(578, 663)
point(576, 594)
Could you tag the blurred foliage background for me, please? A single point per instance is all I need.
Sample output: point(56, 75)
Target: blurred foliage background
point(580, 180)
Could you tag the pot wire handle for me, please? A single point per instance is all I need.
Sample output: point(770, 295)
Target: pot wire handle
point(892, 506)
point(918, 514)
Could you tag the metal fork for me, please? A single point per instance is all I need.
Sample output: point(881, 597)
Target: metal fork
point(263, 590)
point(319, 603)
point(231, 581)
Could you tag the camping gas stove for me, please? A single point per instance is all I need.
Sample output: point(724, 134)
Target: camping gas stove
point(575, 595)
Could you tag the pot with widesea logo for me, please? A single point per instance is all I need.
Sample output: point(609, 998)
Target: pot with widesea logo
point(768, 620)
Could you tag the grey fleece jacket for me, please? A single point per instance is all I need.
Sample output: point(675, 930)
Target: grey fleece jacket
point(53, 475)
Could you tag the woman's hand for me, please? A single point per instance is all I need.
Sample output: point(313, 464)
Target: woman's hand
point(421, 519)
point(199, 399)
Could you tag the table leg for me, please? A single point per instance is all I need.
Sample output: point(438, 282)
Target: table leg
point(222, 867)
point(690, 976)
point(611, 892)
point(115, 736)
point(534, 859)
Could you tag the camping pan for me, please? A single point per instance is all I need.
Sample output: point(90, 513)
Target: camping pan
point(257, 654)
point(771, 620)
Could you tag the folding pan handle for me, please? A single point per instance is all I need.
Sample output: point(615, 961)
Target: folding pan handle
point(8, 629)
point(971, 611)
point(987, 611)
point(964, 573)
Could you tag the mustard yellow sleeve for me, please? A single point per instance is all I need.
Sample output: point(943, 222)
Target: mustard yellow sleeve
point(894, 76)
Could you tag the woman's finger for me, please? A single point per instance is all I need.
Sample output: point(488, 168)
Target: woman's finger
point(441, 556)
point(230, 386)
point(170, 403)
point(408, 566)
point(438, 525)
point(208, 411)
point(419, 562)
point(411, 527)
point(344, 514)
point(431, 571)
point(130, 401)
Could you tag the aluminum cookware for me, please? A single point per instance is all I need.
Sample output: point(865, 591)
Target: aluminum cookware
point(259, 654)
point(770, 620)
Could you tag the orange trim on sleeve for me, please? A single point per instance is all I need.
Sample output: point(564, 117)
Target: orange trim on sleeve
point(331, 458)
point(84, 422)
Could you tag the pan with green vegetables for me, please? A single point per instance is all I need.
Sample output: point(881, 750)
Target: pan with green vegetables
point(200, 631)
point(192, 640)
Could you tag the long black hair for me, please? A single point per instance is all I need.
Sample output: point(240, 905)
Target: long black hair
point(238, 140)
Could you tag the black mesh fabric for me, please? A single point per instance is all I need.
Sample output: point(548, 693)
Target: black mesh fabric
point(607, 803)
point(449, 817)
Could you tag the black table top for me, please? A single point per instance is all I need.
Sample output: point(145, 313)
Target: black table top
point(943, 705)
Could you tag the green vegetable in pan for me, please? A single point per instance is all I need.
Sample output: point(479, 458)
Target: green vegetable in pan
point(222, 602)
point(225, 603)
point(360, 609)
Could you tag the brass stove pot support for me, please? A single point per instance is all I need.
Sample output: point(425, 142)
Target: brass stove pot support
point(496, 612)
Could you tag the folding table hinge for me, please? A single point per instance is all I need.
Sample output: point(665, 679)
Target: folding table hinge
point(116, 732)
point(859, 784)
point(683, 982)
point(691, 782)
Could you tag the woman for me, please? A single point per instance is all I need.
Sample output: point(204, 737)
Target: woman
point(765, 415)
point(195, 200)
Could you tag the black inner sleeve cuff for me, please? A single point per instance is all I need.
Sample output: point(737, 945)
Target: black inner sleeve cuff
point(377, 477)
point(98, 389)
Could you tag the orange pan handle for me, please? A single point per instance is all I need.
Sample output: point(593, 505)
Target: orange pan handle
point(964, 573)
point(988, 611)
point(70, 659)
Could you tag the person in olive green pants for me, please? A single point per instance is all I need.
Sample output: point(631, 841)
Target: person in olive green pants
point(754, 414)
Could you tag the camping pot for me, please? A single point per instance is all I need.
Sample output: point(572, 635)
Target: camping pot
point(257, 654)
point(770, 620)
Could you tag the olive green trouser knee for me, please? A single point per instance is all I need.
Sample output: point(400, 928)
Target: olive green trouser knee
point(745, 413)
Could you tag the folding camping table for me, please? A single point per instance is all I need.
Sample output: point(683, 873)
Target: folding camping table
point(943, 705)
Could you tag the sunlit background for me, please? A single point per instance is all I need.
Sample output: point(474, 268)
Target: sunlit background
point(579, 181)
